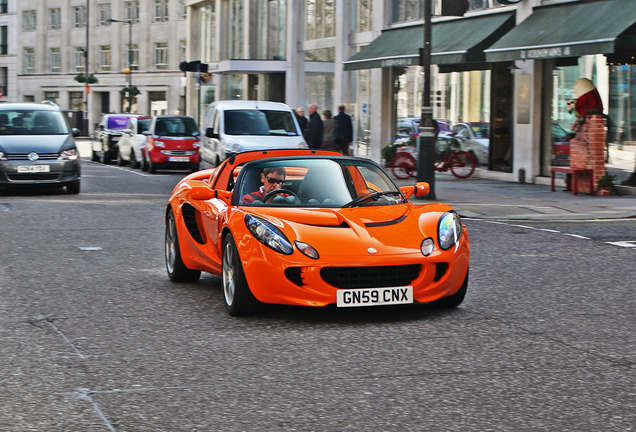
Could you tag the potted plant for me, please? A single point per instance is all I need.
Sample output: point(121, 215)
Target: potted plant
point(606, 186)
point(83, 78)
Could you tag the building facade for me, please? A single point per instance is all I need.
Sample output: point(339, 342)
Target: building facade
point(135, 44)
point(8, 51)
point(365, 54)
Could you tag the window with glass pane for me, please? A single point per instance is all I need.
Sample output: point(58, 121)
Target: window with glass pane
point(52, 96)
point(205, 17)
point(4, 39)
point(78, 59)
point(105, 58)
point(362, 15)
point(236, 29)
point(28, 20)
point(407, 10)
point(134, 57)
point(55, 19)
point(320, 19)
point(103, 14)
point(54, 60)
point(183, 11)
point(270, 30)
point(77, 100)
point(132, 11)
point(28, 60)
point(4, 80)
point(79, 16)
point(161, 55)
point(4, 6)
point(160, 11)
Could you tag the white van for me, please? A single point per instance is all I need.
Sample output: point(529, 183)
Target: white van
point(233, 127)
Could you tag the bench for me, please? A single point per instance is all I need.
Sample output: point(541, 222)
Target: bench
point(571, 178)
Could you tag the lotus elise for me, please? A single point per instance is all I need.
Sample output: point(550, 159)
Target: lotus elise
point(313, 228)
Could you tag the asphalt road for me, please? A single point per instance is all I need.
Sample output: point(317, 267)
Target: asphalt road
point(94, 337)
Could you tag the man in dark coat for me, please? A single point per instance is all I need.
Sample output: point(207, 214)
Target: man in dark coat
point(313, 133)
point(302, 120)
point(344, 130)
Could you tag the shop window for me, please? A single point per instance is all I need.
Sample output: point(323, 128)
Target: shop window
point(52, 96)
point(77, 100)
point(158, 103)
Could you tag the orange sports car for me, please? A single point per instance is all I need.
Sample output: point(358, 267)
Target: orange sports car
point(313, 228)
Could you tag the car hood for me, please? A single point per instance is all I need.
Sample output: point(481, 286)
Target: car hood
point(394, 229)
point(264, 142)
point(35, 143)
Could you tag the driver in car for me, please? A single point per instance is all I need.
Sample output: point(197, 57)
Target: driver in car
point(272, 179)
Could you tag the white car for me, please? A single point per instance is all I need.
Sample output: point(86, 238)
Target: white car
point(474, 138)
point(131, 142)
point(232, 127)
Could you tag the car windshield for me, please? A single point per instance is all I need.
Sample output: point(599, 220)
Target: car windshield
point(315, 183)
point(143, 125)
point(117, 122)
point(32, 122)
point(259, 122)
point(176, 126)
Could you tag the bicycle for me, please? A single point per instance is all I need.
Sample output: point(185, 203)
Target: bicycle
point(460, 163)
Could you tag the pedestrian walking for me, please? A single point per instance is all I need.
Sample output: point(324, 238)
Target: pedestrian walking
point(344, 131)
point(300, 117)
point(313, 134)
point(329, 127)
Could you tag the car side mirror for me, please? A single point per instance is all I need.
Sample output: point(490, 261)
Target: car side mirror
point(209, 132)
point(201, 192)
point(420, 189)
point(76, 132)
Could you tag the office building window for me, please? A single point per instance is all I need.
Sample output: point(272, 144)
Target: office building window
point(28, 20)
point(4, 80)
point(183, 10)
point(4, 40)
point(4, 6)
point(161, 11)
point(235, 30)
point(55, 62)
point(161, 55)
point(105, 58)
point(28, 60)
point(362, 14)
point(103, 14)
point(79, 16)
point(407, 10)
point(52, 96)
point(78, 59)
point(183, 51)
point(55, 19)
point(77, 101)
point(132, 11)
point(320, 19)
point(134, 57)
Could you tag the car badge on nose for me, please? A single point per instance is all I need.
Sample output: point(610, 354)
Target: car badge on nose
point(372, 250)
point(33, 156)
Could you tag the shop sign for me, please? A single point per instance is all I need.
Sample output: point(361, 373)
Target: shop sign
point(546, 53)
point(399, 62)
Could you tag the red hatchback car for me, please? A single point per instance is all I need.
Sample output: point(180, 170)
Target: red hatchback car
point(172, 142)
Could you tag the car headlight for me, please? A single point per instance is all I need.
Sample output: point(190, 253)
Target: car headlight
point(448, 230)
point(268, 234)
point(307, 249)
point(70, 154)
point(160, 144)
point(427, 247)
point(3, 156)
point(196, 144)
point(234, 148)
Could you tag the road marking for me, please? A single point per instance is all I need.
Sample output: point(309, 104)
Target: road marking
point(625, 244)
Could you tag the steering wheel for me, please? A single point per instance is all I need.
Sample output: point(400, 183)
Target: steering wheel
point(279, 191)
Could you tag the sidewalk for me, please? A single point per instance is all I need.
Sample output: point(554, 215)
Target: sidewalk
point(483, 198)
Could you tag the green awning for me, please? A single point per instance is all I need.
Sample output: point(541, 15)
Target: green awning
point(570, 30)
point(454, 41)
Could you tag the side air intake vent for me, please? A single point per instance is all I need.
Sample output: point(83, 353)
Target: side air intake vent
point(190, 217)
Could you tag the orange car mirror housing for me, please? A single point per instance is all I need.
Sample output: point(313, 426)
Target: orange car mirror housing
point(420, 189)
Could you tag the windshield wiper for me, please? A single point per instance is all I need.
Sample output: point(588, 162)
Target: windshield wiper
point(371, 195)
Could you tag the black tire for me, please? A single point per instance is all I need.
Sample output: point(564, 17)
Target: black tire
point(238, 298)
point(134, 163)
point(151, 166)
point(194, 167)
point(455, 299)
point(95, 157)
point(105, 159)
point(177, 270)
point(120, 160)
point(73, 188)
point(144, 162)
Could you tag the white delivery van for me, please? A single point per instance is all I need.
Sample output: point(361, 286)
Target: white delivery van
point(232, 127)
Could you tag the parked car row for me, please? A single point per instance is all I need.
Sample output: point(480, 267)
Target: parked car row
point(473, 137)
point(149, 143)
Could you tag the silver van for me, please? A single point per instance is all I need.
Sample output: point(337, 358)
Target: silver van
point(232, 127)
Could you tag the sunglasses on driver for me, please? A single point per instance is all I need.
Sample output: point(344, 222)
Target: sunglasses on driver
point(273, 180)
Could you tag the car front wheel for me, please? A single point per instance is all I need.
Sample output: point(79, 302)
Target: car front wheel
point(239, 300)
point(177, 270)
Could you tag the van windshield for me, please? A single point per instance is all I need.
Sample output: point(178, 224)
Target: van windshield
point(259, 122)
point(32, 122)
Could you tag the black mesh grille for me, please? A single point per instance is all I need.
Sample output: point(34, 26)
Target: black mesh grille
point(440, 270)
point(370, 277)
point(33, 176)
point(190, 219)
point(25, 156)
point(294, 274)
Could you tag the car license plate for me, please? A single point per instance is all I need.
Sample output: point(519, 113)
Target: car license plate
point(33, 168)
point(374, 296)
point(179, 159)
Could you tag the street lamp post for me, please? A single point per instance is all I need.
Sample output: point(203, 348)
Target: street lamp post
point(128, 70)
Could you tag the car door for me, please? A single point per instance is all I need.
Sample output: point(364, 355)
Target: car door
point(208, 149)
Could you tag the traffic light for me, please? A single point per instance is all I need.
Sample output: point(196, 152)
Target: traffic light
point(454, 7)
point(193, 66)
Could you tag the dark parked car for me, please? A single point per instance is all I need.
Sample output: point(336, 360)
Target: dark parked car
point(37, 147)
point(107, 134)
